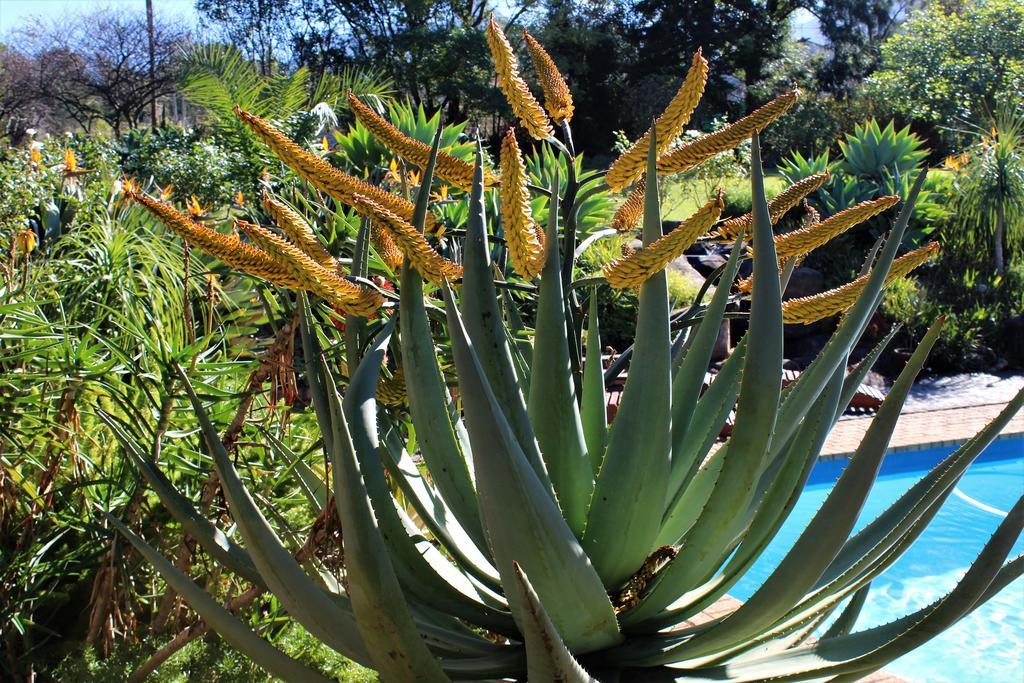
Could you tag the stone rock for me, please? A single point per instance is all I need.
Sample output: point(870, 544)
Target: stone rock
point(805, 282)
point(723, 343)
point(705, 264)
point(706, 257)
point(1013, 331)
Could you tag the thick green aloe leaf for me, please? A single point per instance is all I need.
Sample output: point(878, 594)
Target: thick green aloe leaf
point(594, 403)
point(868, 554)
point(427, 394)
point(227, 625)
point(355, 325)
point(213, 540)
point(827, 530)
point(312, 486)
point(865, 651)
point(711, 414)
point(419, 566)
point(625, 514)
point(869, 551)
point(433, 510)
point(324, 615)
point(856, 377)
point(495, 667)
point(482, 314)
point(847, 619)
point(547, 657)
point(708, 540)
point(552, 405)
point(777, 494)
point(382, 614)
point(314, 370)
point(523, 523)
point(811, 382)
point(689, 376)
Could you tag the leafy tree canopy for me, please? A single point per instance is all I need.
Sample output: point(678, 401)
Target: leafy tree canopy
point(946, 65)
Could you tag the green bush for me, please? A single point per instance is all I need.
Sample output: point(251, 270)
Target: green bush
point(977, 310)
point(213, 661)
point(817, 121)
point(952, 61)
point(196, 165)
point(871, 162)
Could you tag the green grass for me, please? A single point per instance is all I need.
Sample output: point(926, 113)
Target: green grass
point(684, 196)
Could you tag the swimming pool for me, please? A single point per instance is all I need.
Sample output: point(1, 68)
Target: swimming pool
point(988, 645)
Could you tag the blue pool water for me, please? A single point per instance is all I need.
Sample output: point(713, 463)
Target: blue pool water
point(988, 645)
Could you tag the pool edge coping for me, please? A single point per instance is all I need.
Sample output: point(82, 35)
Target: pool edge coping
point(923, 445)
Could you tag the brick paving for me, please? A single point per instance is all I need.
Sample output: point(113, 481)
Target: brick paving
point(914, 431)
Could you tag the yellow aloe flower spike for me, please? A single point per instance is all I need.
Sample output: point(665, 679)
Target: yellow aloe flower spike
point(627, 217)
point(810, 220)
point(777, 207)
point(692, 154)
point(525, 247)
point(557, 97)
point(35, 156)
point(809, 309)
point(431, 265)
point(391, 391)
point(298, 231)
point(311, 276)
point(385, 246)
point(228, 248)
point(448, 168)
point(524, 104)
point(806, 239)
point(323, 176)
point(668, 126)
point(634, 269)
point(239, 198)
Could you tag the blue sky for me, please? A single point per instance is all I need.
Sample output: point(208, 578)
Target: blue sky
point(14, 13)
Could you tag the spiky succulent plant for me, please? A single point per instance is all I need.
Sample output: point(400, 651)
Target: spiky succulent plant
point(528, 539)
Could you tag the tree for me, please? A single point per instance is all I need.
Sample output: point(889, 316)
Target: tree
point(948, 65)
point(990, 188)
point(433, 50)
point(739, 37)
point(97, 67)
point(855, 30)
point(18, 108)
point(261, 29)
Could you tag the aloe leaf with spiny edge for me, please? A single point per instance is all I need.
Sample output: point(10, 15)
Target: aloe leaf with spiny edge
point(622, 525)
point(552, 405)
point(756, 412)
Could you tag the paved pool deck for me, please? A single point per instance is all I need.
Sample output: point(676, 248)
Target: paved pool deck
point(949, 427)
point(944, 411)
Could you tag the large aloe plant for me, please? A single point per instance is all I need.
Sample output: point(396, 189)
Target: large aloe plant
point(526, 538)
